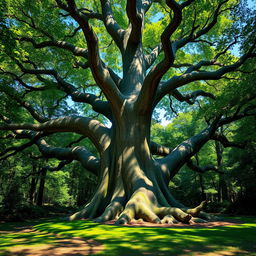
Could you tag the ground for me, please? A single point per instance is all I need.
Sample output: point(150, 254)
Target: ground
point(56, 237)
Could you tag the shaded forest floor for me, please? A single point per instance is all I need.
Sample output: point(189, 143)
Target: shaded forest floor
point(58, 237)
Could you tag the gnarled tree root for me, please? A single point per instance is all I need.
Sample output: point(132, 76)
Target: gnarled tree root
point(142, 206)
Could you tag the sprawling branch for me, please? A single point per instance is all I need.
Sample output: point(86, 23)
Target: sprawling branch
point(248, 111)
point(188, 148)
point(16, 149)
point(111, 25)
point(190, 98)
point(100, 72)
point(205, 29)
point(93, 129)
point(85, 157)
point(156, 73)
point(183, 152)
point(225, 142)
point(77, 51)
point(98, 105)
point(178, 81)
point(136, 17)
point(37, 116)
point(159, 150)
point(202, 169)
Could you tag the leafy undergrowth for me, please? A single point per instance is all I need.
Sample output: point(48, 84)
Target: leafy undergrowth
point(236, 240)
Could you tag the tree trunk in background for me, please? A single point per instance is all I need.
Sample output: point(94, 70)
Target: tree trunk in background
point(40, 194)
point(203, 195)
point(32, 190)
point(222, 186)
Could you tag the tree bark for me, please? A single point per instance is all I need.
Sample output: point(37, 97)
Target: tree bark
point(132, 184)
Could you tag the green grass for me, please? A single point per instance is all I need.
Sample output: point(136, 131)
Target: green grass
point(119, 240)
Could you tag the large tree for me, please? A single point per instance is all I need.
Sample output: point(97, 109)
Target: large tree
point(123, 59)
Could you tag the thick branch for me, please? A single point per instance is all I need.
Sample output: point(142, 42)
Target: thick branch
point(81, 154)
point(93, 129)
point(183, 152)
point(136, 17)
point(99, 71)
point(85, 157)
point(159, 150)
point(153, 78)
point(17, 149)
point(77, 51)
point(111, 25)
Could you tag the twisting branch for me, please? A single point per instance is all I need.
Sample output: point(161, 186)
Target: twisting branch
point(248, 111)
point(150, 58)
point(178, 81)
point(22, 83)
point(206, 28)
point(85, 157)
point(77, 96)
point(100, 72)
point(159, 150)
point(111, 25)
point(202, 169)
point(81, 154)
point(13, 95)
point(17, 149)
point(225, 142)
point(190, 98)
point(77, 51)
point(88, 127)
point(153, 78)
point(136, 17)
point(183, 152)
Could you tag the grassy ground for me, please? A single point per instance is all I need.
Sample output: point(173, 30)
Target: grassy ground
point(127, 241)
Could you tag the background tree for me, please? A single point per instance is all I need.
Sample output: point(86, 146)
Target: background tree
point(121, 60)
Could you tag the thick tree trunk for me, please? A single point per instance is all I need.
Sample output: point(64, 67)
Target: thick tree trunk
point(133, 185)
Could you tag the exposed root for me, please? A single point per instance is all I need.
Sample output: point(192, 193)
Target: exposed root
point(169, 219)
point(196, 211)
point(197, 220)
point(142, 205)
point(111, 212)
point(89, 211)
point(177, 213)
point(81, 214)
point(208, 217)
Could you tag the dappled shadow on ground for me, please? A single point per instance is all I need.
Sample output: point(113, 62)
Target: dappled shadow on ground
point(71, 246)
point(233, 240)
point(121, 240)
point(18, 240)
